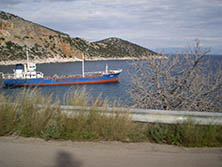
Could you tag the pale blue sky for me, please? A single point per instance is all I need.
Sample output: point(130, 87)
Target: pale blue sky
point(149, 23)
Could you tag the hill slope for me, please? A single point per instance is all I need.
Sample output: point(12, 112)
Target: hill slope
point(115, 47)
point(43, 43)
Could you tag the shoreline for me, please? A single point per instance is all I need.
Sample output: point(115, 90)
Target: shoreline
point(71, 60)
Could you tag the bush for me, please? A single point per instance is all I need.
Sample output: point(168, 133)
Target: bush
point(187, 134)
point(182, 82)
point(24, 117)
point(52, 130)
point(31, 114)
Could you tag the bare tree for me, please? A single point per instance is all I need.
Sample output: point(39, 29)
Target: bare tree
point(182, 82)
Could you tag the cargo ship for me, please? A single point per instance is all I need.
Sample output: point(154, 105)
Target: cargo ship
point(25, 75)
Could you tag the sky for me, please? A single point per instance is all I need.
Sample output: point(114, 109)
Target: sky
point(153, 24)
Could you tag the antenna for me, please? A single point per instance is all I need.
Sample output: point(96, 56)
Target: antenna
point(83, 65)
point(27, 55)
point(107, 68)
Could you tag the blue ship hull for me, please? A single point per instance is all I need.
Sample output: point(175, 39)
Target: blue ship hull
point(67, 80)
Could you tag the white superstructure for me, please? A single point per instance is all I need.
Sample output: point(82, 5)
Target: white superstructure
point(24, 71)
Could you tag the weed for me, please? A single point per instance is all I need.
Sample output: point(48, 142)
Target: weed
point(52, 130)
point(32, 114)
point(187, 134)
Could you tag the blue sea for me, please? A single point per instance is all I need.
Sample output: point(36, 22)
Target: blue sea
point(111, 91)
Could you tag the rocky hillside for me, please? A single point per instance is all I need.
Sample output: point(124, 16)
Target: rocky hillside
point(111, 48)
point(43, 43)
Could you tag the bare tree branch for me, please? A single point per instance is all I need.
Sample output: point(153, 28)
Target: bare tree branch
point(181, 82)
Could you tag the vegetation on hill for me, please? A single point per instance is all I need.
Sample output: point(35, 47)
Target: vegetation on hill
point(115, 47)
point(112, 48)
point(17, 34)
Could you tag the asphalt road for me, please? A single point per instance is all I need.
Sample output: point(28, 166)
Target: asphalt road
point(30, 152)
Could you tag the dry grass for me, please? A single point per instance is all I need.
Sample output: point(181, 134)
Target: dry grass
point(23, 116)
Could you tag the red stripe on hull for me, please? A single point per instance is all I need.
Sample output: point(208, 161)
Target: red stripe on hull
point(74, 83)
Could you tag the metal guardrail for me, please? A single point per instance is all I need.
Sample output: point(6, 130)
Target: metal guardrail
point(159, 116)
point(152, 116)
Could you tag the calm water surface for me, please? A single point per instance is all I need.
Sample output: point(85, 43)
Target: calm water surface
point(111, 91)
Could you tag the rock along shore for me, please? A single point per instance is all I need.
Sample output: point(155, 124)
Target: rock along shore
point(65, 60)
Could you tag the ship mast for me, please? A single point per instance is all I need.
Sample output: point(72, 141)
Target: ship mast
point(27, 60)
point(83, 65)
point(27, 55)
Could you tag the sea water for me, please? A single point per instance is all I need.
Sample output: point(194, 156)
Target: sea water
point(111, 91)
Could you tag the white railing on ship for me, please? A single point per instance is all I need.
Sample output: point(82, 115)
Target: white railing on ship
point(7, 76)
point(96, 72)
point(78, 75)
point(101, 72)
point(12, 76)
point(40, 73)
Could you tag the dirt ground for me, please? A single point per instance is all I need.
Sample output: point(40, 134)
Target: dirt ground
point(32, 152)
